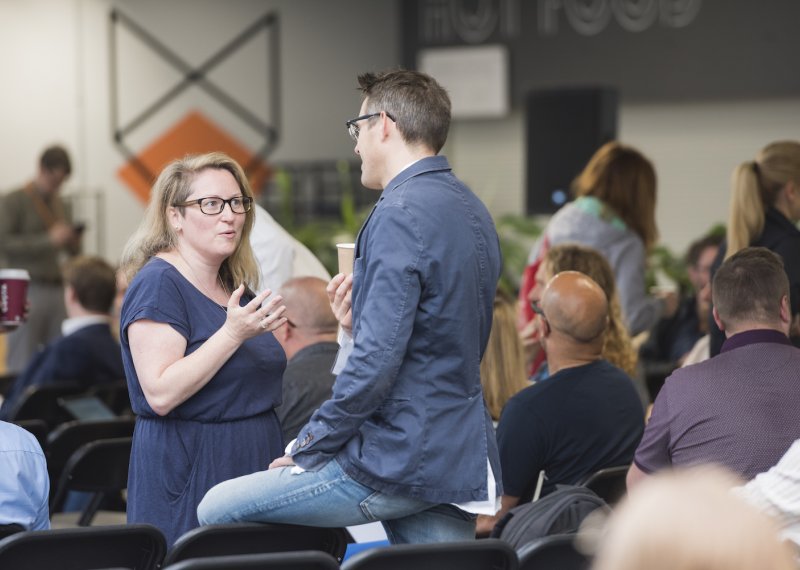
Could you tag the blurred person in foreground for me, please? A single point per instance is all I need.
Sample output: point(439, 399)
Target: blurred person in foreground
point(24, 481)
point(777, 493)
point(35, 233)
point(690, 520)
point(405, 438)
point(203, 368)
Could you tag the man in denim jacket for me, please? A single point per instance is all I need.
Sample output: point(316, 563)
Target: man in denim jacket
point(405, 438)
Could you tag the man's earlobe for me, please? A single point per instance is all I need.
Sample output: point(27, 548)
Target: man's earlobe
point(786, 309)
point(717, 320)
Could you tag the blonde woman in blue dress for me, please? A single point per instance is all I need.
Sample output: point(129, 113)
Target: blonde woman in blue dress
point(203, 368)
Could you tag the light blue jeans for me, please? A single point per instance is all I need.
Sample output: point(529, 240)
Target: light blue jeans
point(331, 498)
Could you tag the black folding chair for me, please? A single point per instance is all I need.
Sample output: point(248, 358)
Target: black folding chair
point(41, 403)
point(256, 538)
point(114, 395)
point(99, 467)
point(70, 436)
point(469, 555)
point(9, 529)
point(609, 483)
point(556, 551)
point(135, 546)
point(306, 560)
point(6, 382)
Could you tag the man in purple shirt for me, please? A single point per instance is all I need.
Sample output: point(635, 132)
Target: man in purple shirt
point(741, 409)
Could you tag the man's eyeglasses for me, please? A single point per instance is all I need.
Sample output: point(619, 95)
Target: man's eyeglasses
point(537, 309)
point(352, 126)
point(213, 205)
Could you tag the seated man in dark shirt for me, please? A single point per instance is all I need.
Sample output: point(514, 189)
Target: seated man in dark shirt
point(309, 340)
point(584, 417)
point(87, 352)
point(672, 339)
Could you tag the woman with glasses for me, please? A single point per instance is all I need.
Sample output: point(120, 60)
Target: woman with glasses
point(203, 369)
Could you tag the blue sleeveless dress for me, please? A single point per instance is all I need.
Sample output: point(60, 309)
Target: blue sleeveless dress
point(225, 430)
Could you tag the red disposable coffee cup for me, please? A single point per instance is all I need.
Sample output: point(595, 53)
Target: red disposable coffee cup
point(13, 296)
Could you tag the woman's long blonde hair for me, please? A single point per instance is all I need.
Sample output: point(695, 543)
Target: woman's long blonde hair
point(503, 365)
point(624, 180)
point(156, 235)
point(755, 186)
point(617, 348)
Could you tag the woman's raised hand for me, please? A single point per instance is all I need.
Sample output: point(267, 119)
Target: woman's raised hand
point(253, 319)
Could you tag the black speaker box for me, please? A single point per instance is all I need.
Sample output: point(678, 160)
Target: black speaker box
point(565, 127)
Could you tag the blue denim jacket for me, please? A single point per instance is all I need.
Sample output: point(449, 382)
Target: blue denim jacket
point(407, 414)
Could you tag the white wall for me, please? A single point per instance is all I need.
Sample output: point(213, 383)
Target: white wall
point(694, 147)
point(56, 89)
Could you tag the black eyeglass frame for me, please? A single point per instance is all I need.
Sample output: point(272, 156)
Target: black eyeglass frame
point(537, 309)
point(247, 204)
point(354, 130)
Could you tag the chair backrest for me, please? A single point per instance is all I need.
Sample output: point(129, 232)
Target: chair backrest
point(38, 428)
point(9, 529)
point(609, 483)
point(304, 560)
point(41, 403)
point(556, 551)
point(474, 554)
point(6, 382)
point(69, 437)
point(136, 546)
point(256, 538)
point(114, 395)
point(99, 467)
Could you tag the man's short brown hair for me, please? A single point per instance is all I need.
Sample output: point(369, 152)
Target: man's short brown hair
point(94, 282)
point(697, 247)
point(56, 158)
point(749, 286)
point(419, 105)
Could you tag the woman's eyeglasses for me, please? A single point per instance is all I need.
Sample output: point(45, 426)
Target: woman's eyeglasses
point(214, 205)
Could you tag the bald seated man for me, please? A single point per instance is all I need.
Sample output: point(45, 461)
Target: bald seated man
point(586, 416)
point(309, 340)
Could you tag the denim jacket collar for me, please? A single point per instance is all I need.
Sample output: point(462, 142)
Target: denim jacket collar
point(423, 165)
